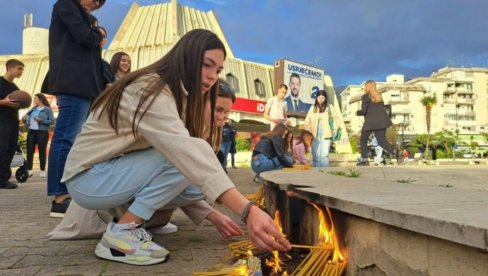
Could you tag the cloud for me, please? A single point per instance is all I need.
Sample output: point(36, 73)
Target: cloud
point(352, 40)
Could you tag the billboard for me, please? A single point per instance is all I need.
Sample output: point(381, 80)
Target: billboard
point(303, 82)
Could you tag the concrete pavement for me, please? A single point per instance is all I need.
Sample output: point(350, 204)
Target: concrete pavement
point(25, 250)
point(25, 221)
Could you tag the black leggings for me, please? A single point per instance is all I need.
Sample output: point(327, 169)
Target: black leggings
point(380, 135)
point(39, 138)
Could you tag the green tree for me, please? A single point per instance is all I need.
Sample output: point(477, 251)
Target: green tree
point(428, 102)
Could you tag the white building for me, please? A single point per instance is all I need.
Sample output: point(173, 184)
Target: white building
point(462, 101)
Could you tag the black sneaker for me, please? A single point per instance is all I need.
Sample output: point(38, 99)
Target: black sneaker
point(59, 209)
point(7, 185)
point(363, 163)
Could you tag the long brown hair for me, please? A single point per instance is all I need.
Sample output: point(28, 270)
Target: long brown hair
point(370, 89)
point(181, 66)
point(278, 130)
point(320, 108)
point(115, 62)
point(302, 137)
point(43, 99)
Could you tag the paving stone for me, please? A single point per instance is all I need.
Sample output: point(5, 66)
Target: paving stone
point(31, 270)
point(9, 261)
point(25, 250)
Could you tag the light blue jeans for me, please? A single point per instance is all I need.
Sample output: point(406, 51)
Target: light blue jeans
point(145, 176)
point(320, 149)
point(379, 155)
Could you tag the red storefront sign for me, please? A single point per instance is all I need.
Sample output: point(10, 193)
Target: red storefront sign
point(249, 106)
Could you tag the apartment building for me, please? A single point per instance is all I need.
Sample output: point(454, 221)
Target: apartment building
point(462, 101)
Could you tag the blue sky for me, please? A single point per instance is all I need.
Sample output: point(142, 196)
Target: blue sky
point(352, 40)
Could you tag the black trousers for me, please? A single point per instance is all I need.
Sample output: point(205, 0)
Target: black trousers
point(39, 138)
point(380, 135)
point(9, 135)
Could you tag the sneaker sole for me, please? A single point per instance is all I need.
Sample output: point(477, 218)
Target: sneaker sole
point(56, 215)
point(104, 253)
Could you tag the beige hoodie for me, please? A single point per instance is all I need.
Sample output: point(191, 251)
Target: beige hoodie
point(161, 128)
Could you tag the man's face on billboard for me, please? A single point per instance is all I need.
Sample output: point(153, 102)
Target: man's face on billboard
point(295, 86)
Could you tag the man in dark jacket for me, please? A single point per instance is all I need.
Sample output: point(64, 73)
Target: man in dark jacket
point(75, 77)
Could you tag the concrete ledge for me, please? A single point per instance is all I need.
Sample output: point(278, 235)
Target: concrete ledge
point(454, 214)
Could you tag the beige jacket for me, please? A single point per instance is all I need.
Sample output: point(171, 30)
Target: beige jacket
point(161, 128)
point(312, 122)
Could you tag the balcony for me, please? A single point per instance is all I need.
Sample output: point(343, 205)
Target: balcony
point(465, 101)
point(466, 112)
point(398, 101)
point(401, 111)
point(449, 91)
point(400, 122)
point(449, 100)
point(464, 91)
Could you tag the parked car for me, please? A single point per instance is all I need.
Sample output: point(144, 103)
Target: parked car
point(469, 155)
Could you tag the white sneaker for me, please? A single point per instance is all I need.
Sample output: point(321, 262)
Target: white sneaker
point(166, 229)
point(132, 246)
point(42, 174)
point(30, 173)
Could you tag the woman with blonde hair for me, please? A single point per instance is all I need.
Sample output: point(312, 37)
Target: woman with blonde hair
point(376, 121)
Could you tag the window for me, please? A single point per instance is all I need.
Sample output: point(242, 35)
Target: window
point(259, 88)
point(233, 82)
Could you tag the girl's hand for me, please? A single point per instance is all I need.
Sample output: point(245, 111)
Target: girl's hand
point(264, 233)
point(225, 225)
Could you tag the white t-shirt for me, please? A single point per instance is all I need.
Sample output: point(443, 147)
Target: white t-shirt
point(277, 109)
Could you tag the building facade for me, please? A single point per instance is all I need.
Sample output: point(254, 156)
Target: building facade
point(147, 33)
point(461, 94)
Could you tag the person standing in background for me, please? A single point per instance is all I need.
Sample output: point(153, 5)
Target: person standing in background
point(228, 139)
point(108, 75)
point(9, 121)
point(120, 64)
point(376, 121)
point(76, 78)
point(38, 119)
point(378, 159)
point(317, 123)
point(275, 110)
point(233, 149)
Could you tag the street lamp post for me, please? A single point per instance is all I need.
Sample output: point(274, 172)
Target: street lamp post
point(403, 140)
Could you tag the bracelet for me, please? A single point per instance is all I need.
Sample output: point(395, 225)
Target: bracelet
point(245, 211)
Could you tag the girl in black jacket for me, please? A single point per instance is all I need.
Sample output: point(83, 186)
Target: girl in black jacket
point(376, 121)
point(270, 153)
